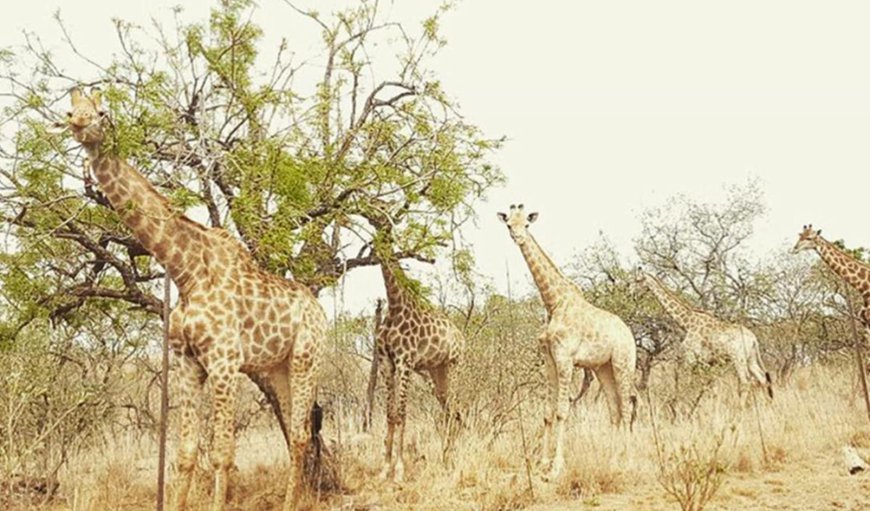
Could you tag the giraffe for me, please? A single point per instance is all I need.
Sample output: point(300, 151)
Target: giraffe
point(853, 271)
point(231, 318)
point(577, 334)
point(414, 336)
point(708, 337)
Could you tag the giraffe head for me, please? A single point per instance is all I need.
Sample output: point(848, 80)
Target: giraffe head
point(86, 116)
point(639, 281)
point(807, 239)
point(518, 223)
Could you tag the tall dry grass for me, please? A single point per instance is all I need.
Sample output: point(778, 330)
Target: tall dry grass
point(811, 418)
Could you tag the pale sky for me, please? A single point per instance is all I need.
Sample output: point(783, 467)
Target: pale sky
point(613, 107)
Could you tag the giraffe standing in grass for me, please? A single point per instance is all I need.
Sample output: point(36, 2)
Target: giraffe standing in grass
point(577, 334)
point(709, 338)
point(414, 336)
point(853, 271)
point(232, 317)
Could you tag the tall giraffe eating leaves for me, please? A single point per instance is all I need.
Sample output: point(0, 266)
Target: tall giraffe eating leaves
point(232, 317)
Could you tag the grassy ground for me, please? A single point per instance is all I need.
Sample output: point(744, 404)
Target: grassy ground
point(777, 455)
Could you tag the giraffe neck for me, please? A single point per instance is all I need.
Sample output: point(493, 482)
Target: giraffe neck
point(172, 239)
point(855, 272)
point(681, 313)
point(550, 282)
point(398, 296)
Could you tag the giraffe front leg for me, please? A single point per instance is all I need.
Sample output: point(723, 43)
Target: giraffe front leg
point(564, 370)
point(403, 376)
point(550, 413)
point(303, 375)
point(190, 377)
point(223, 375)
point(390, 379)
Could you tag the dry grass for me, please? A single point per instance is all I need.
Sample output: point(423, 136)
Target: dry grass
point(779, 455)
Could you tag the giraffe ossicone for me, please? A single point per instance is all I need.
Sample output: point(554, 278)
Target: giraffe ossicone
point(232, 318)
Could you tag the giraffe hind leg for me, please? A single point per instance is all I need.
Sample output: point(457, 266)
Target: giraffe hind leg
point(608, 380)
point(191, 379)
point(298, 390)
point(223, 375)
point(451, 420)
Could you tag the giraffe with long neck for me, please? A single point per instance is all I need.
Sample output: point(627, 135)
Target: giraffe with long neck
point(709, 338)
point(856, 273)
point(232, 317)
point(577, 334)
point(414, 336)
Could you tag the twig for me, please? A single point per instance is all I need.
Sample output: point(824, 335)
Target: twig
point(164, 396)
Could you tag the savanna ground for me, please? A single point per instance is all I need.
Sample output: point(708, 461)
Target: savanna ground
point(784, 454)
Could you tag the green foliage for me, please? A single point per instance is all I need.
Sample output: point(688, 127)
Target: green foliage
point(294, 175)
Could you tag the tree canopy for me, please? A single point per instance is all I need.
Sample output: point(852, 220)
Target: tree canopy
point(295, 175)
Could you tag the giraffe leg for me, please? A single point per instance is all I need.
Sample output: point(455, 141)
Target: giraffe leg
point(757, 372)
point(550, 414)
point(223, 375)
point(440, 378)
point(390, 379)
point(606, 376)
point(624, 375)
point(190, 377)
point(403, 377)
point(742, 382)
point(302, 388)
point(564, 371)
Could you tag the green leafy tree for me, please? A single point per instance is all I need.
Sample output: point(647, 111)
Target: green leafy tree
point(293, 169)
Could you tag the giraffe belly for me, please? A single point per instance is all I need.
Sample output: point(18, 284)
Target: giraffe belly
point(264, 348)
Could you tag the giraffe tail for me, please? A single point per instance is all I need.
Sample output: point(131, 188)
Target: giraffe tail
point(633, 400)
point(767, 379)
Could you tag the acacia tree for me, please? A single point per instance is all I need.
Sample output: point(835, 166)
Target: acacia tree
point(700, 248)
point(294, 174)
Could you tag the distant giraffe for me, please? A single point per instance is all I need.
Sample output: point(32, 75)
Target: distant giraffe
point(232, 317)
point(577, 334)
point(709, 337)
point(853, 271)
point(414, 336)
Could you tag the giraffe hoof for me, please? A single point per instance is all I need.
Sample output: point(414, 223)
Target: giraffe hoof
point(553, 474)
point(385, 474)
point(399, 475)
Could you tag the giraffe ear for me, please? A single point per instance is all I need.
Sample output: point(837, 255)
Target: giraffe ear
point(532, 217)
point(502, 217)
point(819, 232)
point(75, 95)
point(97, 97)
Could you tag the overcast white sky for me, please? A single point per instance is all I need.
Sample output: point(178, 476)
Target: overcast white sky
point(612, 107)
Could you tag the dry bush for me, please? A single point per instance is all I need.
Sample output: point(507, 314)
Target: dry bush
point(692, 472)
point(51, 408)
